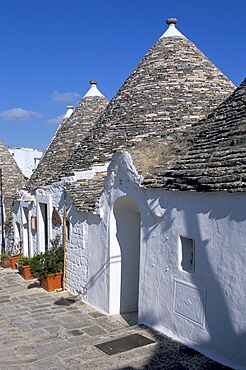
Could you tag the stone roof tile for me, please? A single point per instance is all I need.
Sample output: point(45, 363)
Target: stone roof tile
point(212, 158)
point(84, 193)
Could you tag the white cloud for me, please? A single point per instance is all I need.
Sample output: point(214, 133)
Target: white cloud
point(65, 97)
point(55, 121)
point(18, 114)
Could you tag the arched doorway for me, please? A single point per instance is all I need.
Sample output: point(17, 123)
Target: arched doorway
point(124, 255)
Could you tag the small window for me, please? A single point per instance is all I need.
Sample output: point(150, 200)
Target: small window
point(188, 254)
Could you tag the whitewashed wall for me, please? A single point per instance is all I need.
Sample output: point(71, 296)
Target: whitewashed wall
point(77, 253)
point(204, 309)
point(27, 159)
point(27, 207)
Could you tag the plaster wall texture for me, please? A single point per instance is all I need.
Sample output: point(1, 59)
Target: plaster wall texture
point(204, 308)
point(97, 286)
point(77, 253)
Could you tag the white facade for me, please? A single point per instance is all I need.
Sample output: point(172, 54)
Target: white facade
point(177, 258)
point(27, 159)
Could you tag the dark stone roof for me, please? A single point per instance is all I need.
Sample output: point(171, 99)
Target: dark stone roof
point(212, 157)
point(68, 136)
point(12, 179)
point(84, 193)
point(174, 84)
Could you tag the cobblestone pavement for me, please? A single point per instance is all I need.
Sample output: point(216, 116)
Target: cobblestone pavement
point(41, 330)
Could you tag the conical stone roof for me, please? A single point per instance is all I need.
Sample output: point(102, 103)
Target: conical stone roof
point(213, 156)
point(172, 86)
point(68, 136)
point(12, 179)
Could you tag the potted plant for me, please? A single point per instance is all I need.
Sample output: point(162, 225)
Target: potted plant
point(23, 264)
point(47, 267)
point(15, 254)
point(5, 261)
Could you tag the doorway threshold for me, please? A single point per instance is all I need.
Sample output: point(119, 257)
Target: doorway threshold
point(129, 318)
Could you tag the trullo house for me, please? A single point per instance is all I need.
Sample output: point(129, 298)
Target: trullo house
point(153, 190)
point(11, 179)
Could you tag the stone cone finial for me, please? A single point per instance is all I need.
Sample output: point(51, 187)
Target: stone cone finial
point(171, 21)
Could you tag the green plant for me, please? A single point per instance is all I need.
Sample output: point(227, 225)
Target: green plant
point(24, 261)
point(4, 255)
point(49, 262)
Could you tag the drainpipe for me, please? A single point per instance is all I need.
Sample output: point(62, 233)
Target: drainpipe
point(2, 215)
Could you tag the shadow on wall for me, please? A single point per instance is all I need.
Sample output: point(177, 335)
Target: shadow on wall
point(225, 341)
point(223, 337)
point(170, 354)
point(92, 281)
point(154, 221)
point(127, 218)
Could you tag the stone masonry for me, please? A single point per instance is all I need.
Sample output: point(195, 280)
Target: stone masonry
point(212, 157)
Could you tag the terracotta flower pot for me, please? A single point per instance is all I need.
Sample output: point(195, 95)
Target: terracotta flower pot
point(5, 262)
point(13, 259)
point(25, 272)
point(52, 282)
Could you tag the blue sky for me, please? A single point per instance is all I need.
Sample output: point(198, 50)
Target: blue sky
point(50, 49)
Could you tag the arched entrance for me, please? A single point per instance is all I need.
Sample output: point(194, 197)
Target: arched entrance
point(124, 255)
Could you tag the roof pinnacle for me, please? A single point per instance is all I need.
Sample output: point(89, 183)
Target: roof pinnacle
point(172, 30)
point(171, 21)
point(93, 82)
point(69, 111)
point(93, 91)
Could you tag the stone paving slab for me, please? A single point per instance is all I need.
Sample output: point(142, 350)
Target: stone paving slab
point(42, 330)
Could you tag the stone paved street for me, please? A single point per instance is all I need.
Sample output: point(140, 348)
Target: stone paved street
point(41, 330)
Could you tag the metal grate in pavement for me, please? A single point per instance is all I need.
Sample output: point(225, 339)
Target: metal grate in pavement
point(124, 344)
